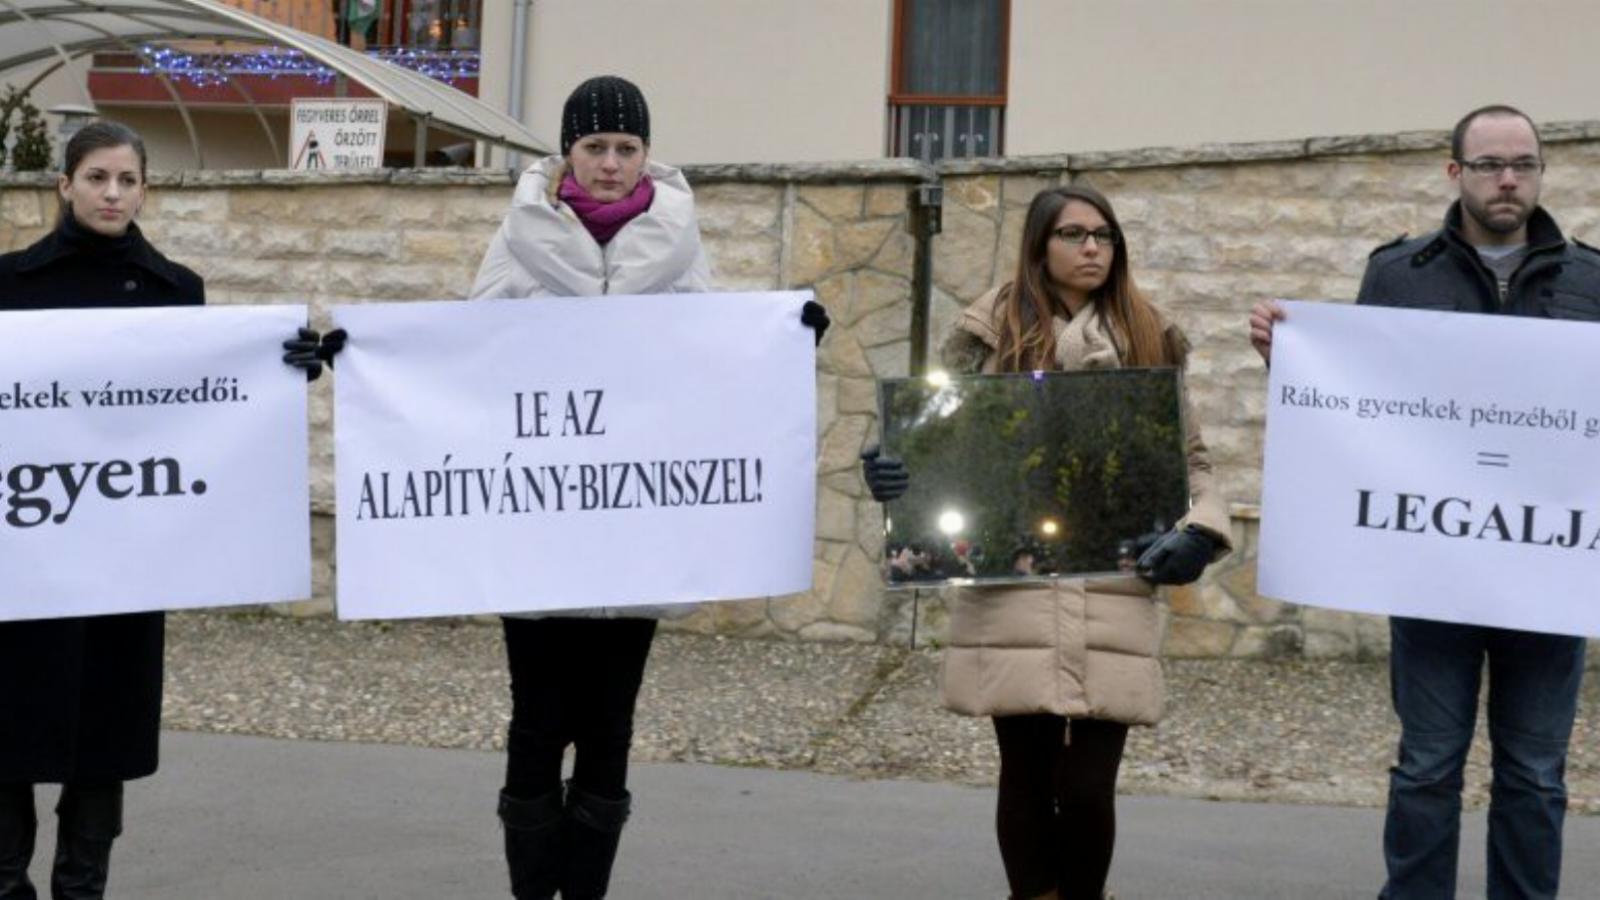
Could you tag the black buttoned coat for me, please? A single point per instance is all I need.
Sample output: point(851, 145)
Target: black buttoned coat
point(80, 698)
point(1558, 279)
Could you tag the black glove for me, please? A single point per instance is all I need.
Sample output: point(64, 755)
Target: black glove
point(1178, 557)
point(331, 344)
point(815, 315)
point(1129, 550)
point(300, 351)
point(886, 476)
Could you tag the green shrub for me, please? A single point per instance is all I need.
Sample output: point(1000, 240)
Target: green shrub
point(32, 150)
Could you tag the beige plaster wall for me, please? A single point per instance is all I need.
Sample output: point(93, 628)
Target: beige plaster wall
point(1092, 75)
point(229, 139)
point(736, 80)
point(767, 82)
point(727, 80)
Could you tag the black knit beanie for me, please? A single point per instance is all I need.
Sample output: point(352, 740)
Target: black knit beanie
point(604, 104)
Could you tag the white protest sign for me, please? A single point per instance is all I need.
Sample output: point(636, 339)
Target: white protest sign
point(328, 133)
point(515, 455)
point(1437, 465)
point(151, 459)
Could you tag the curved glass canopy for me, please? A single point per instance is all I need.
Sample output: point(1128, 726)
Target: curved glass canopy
point(32, 31)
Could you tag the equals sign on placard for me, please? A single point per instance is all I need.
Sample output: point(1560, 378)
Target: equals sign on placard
point(1494, 460)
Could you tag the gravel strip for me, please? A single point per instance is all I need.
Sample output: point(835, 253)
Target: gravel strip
point(1316, 732)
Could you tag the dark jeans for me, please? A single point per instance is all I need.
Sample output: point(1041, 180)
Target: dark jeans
point(1056, 817)
point(1435, 670)
point(573, 681)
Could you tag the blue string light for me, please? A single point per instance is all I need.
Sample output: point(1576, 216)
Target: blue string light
point(214, 69)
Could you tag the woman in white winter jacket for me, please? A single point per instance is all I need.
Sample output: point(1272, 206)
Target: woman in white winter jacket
point(602, 218)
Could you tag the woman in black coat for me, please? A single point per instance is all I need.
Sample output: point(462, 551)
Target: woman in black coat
point(80, 698)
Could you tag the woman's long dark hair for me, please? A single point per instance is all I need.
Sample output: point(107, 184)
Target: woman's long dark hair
point(101, 134)
point(1026, 305)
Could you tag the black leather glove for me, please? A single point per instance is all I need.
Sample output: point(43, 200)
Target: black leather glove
point(1178, 557)
point(1129, 550)
point(886, 476)
point(300, 351)
point(331, 344)
point(815, 315)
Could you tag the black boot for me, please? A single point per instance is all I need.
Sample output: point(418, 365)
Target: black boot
point(18, 825)
point(533, 844)
point(594, 828)
point(90, 818)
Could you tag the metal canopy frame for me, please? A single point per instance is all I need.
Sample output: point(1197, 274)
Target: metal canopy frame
point(36, 30)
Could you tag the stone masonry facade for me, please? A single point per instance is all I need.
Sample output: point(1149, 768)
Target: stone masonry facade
point(1210, 230)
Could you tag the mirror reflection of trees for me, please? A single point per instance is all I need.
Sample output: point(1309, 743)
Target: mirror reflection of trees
point(1018, 476)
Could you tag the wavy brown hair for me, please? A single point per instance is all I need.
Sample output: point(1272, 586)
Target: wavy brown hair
point(1027, 304)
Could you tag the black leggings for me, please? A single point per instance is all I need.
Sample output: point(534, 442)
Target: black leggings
point(1056, 817)
point(573, 681)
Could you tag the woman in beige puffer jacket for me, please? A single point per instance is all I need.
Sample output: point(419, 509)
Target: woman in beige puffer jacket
point(1065, 666)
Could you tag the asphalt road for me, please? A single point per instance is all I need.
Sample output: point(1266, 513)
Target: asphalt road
point(234, 818)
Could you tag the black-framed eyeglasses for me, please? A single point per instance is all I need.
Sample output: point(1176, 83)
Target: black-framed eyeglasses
point(1077, 234)
point(1490, 166)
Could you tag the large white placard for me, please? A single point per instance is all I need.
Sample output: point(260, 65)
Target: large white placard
point(1438, 465)
point(151, 459)
point(517, 455)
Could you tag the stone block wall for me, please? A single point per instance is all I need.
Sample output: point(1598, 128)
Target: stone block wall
point(336, 238)
point(1210, 230)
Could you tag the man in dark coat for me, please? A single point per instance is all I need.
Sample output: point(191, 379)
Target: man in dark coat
point(1498, 253)
point(80, 698)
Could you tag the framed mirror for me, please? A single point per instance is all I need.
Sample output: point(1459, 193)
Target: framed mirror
point(1029, 476)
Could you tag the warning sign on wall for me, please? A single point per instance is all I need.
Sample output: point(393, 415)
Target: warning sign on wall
point(328, 133)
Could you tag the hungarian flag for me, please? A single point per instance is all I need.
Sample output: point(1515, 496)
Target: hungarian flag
point(360, 14)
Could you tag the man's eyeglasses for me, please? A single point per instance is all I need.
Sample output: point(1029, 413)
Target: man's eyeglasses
point(1077, 234)
point(1490, 166)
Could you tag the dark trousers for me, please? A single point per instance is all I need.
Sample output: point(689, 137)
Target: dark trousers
point(1435, 672)
point(573, 681)
point(89, 819)
point(1056, 816)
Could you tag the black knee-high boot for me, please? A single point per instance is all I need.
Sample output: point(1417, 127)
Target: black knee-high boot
point(18, 825)
point(90, 818)
point(533, 844)
point(594, 829)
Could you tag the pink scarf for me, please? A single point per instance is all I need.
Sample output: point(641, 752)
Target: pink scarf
point(604, 220)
